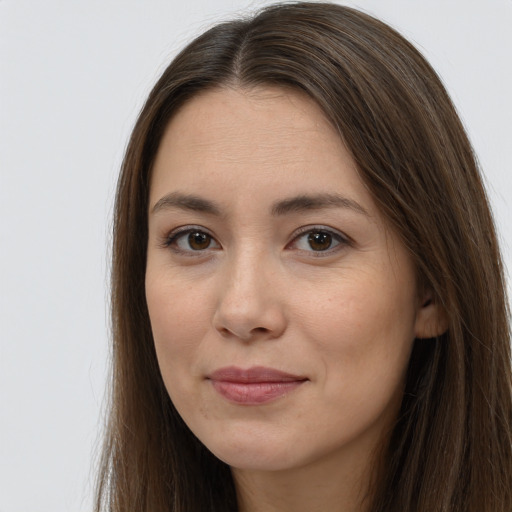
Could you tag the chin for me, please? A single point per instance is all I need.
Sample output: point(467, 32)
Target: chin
point(254, 460)
point(254, 452)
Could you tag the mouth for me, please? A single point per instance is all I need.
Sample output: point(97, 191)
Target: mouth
point(253, 386)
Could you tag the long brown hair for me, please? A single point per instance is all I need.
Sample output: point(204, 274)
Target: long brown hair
point(451, 449)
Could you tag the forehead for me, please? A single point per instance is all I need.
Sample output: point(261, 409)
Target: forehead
point(248, 140)
point(257, 118)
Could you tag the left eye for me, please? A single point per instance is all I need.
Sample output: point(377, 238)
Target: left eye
point(318, 240)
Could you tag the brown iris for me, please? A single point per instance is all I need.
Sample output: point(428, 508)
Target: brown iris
point(320, 240)
point(199, 241)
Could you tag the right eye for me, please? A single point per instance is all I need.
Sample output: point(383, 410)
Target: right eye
point(190, 240)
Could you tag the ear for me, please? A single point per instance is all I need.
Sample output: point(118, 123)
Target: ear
point(431, 318)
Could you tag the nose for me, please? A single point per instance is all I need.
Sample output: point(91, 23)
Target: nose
point(250, 304)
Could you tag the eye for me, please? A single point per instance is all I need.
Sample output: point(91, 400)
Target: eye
point(319, 240)
point(188, 240)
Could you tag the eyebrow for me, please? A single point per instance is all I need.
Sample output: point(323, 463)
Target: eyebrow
point(297, 204)
point(305, 202)
point(186, 202)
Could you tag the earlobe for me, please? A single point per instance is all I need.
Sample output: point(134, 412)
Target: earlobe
point(431, 319)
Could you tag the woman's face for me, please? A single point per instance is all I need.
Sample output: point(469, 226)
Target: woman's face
point(282, 308)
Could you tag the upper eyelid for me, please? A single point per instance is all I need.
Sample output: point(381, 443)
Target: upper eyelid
point(308, 229)
point(187, 229)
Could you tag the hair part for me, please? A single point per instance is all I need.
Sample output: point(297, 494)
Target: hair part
point(451, 449)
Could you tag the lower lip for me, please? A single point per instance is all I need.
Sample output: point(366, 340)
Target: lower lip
point(254, 393)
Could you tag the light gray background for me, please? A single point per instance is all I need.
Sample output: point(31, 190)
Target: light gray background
point(73, 76)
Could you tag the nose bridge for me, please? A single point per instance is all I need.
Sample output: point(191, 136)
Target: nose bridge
point(249, 303)
point(247, 269)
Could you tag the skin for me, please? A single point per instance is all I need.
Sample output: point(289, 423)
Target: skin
point(257, 292)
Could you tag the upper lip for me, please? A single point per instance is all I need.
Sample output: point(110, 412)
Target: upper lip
point(253, 374)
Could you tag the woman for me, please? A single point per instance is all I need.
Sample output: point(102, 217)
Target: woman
point(308, 298)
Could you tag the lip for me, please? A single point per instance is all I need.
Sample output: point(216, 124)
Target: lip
point(253, 386)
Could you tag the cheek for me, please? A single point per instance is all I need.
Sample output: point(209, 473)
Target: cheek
point(364, 333)
point(175, 322)
point(176, 334)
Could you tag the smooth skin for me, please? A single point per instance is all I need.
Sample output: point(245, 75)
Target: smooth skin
point(266, 249)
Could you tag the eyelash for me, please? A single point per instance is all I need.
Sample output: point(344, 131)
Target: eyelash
point(336, 237)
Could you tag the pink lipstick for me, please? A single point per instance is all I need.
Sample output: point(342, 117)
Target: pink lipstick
point(254, 386)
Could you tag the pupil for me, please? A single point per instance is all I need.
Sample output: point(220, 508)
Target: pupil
point(320, 241)
point(198, 241)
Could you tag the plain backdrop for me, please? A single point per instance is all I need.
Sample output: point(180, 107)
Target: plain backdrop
point(73, 76)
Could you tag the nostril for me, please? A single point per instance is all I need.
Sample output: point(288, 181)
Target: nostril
point(259, 330)
point(240, 333)
point(224, 331)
